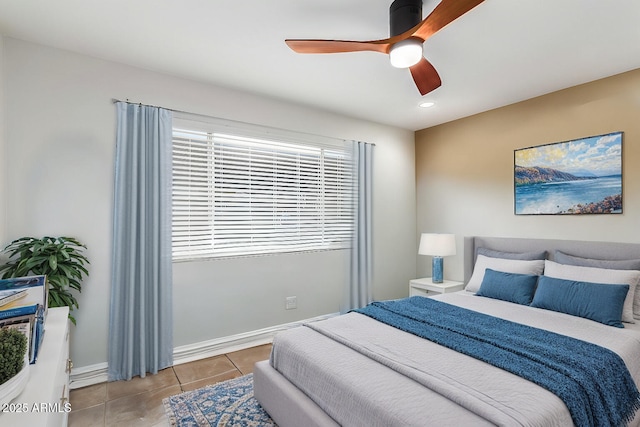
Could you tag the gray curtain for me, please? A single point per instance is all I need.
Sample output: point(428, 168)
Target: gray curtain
point(141, 318)
point(360, 292)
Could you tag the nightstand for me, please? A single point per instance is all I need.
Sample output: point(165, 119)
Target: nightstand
point(425, 287)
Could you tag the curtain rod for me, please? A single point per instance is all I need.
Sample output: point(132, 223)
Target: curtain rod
point(114, 100)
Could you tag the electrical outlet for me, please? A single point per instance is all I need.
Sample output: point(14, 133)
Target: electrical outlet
point(290, 303)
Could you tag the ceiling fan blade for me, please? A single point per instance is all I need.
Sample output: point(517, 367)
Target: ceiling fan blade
point(446, 12)
point(338, 46)
point(425, 76)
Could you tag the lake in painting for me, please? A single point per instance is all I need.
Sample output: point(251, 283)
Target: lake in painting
point(583, 176)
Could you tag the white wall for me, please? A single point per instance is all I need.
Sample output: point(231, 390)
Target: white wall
point(60, 134)
point(3, 156)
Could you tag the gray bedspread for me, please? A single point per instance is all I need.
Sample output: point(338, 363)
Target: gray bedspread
point(364, 373)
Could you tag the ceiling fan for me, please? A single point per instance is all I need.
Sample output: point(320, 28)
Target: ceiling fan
point(408, 31)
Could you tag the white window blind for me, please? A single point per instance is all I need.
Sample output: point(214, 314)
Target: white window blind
point(235, 193)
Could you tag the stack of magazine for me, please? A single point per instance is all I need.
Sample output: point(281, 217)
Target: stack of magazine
point(23, 306)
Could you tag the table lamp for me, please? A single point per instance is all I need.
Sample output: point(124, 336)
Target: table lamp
point(437, 245)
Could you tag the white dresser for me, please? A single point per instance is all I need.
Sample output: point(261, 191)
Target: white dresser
point(45, 399)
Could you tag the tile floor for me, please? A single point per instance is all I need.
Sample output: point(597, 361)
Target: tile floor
point(138, 402)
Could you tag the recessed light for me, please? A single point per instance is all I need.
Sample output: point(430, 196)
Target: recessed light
point(427, 104)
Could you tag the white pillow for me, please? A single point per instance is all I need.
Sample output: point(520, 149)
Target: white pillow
point(601, 275)
point(518, 266)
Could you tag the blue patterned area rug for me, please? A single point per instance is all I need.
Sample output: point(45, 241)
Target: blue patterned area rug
point(225, 404)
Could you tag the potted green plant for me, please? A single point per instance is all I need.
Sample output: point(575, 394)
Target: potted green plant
point(13, 347)
point(14, 364)
point(61, 259)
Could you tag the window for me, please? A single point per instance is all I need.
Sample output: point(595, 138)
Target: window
point(245, 190)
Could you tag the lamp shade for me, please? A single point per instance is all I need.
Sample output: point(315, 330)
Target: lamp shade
point(436, 244)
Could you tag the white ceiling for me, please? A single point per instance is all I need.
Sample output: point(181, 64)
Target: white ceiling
point(501, 52)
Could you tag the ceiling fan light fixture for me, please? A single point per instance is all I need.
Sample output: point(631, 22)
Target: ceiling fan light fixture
point(407, 33)
point(406, 53)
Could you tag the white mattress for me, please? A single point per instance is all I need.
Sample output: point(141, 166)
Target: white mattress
point(396, 378)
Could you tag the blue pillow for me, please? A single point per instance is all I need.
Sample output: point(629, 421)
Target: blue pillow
point(512, 287)
point(596, 301)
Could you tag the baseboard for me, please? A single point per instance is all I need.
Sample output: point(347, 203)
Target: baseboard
point(88, 375)
point(96, 374)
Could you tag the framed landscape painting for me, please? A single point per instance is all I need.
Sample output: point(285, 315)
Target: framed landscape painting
point(582, 176)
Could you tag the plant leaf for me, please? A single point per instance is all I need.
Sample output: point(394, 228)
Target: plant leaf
point(53, 262)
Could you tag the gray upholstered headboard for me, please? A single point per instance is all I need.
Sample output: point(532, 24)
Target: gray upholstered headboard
point(584, 249)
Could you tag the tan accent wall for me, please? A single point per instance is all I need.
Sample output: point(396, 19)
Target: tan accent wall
point(464, 168)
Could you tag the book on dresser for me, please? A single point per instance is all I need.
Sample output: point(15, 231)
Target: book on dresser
point(11, 295)
point(23, 306)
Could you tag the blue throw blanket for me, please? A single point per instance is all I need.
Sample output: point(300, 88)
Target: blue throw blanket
point(593, 381)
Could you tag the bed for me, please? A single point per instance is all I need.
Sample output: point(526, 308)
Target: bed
point(361, 369)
